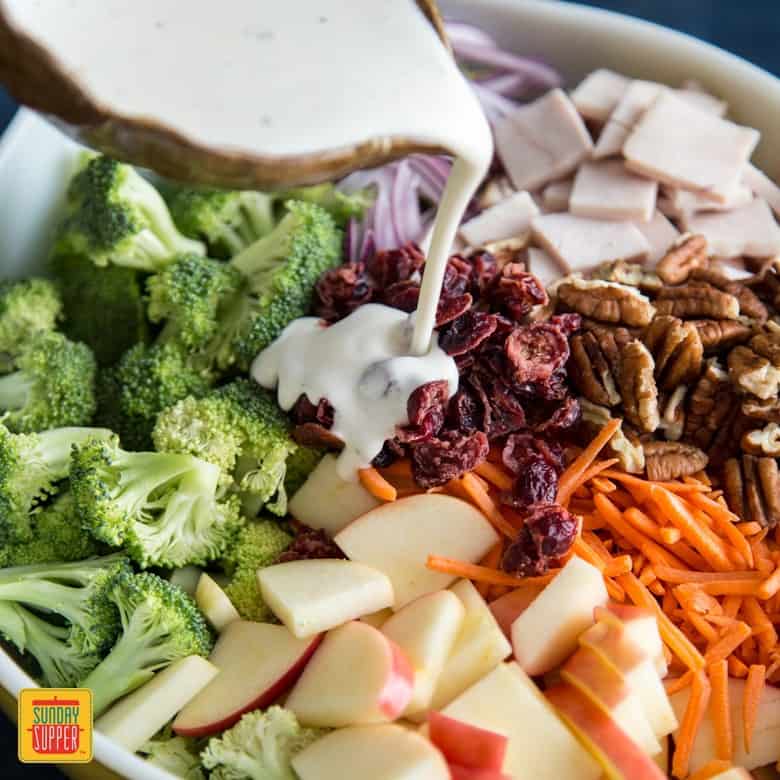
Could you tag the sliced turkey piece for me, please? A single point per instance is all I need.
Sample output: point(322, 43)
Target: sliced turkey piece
point(606, 190)
point(555, 196)
point(696, 96)
point(545, 267)
point(762, 186)
point(660, 234)
point(684, 147)
point(582, 243)
point(750, 231)
point(598, 93)
point(684, 202)
point(542, 141)
point(508, 218)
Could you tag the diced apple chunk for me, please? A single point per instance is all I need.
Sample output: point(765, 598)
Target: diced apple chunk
point(546, 633)
point(398, 537)
point(214, 603)
point(141, 714)
point(326, 501)
point(507, 608)
point(642, 627)
point(310, 596)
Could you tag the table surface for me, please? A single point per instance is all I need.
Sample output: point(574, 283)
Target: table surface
point(750, 28)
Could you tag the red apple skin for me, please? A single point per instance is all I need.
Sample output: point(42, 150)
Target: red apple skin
point(507, 608)
point(400, 686)
point(469, 773)
point(263, 700)
point(467, 746)
point(624, 757)
point(625, 612)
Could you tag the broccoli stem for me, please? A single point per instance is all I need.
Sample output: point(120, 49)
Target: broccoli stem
point(15, 390)
point(43, 594)
point(54, 446)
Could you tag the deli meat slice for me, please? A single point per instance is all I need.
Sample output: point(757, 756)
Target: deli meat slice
point(684, 147)
point(511, 217)
point(684, 202)
point(660, 234)
point(581, 243)
point(545, 267)
point(555, 196)
point(762, 186)
point(542, 141)
point(750, 231)
point(598, 94)
point(606, 190)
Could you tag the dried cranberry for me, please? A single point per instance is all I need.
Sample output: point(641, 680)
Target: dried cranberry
point(390, 452)
point(440, 460)
point(536, 483)
point(402, 295)
point(450, 307)
point(395, 265)
point(565, 416)
point(547, 535)
point(520, 448)
point(342, 290)
point(465, 412)
point(483, 271)
point(536, 352)
point(426, 409)
point(304, 411)
point(309, 544)
point(467, 332)
point(516, 291)
point(569, 323)
point(507, 413)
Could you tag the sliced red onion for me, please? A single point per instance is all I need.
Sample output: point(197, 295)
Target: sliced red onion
point(543, 75)
point(460, 33)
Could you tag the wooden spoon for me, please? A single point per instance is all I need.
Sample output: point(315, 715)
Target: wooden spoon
point(35, 77)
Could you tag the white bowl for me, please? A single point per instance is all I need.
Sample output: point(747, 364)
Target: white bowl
point(35, 158)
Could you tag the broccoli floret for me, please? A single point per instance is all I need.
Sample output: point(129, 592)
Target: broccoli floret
point(227, 221)
point(26, 308)
point(159, 624)
point(80, 593)
point(190, 296)
point(56, 535)
point(240, 428)
point(53, 385)
point(31, 465)
point(62, 665)
point(259, 545)
point(104, 307)
point(146, 380)
point(261, 746)
point(339, 205)
point(162, 507)
point(282, 270)
point(114, 216)
point(178, 755)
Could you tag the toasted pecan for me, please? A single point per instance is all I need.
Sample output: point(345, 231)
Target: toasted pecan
point(666, 460)
point(751, 487)
point(721, 334)
point(593, 368)
point(624, 444)
point(689, 254)
point(750, 305)
point(711, 403)
point(697, 300)
point(753, 373)
point(672, 408)
point(677, 350)
point(631, 274)
point(607, 302)
point(763, 441)
point(638, 389)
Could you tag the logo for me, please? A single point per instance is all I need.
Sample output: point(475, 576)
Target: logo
point(55, 725)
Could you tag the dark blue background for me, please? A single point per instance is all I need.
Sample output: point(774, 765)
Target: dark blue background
point(750, 28)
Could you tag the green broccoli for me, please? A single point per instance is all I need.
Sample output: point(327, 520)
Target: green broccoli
point(56, 535)
point(80, 593)
point(261, 746)
point(240, 428)
point(104, 307)
point(146, 380)
point(339, 205)
point(282, 270)
point(178, 755)
point(259, 545)
point(62, 665)
point(114, 216)
point(162, 507)
point(160, 624)
point(26, 307)
point(31, 465)
point(227, 221)
point(53, 385)
point(190, 296)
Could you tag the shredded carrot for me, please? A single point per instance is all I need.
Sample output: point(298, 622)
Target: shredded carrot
point(669, 534)
point(573, 476)
point(770, 586)
point(718, 673)
point(643, 485)
point(754, 686)
point(734, 636)
point(377, 485)
point(691, 721)
point(749, 529)
point(472, 571)
point(725, 522)
point(603, 485)
point(736, 667)
point(401, 468)
point(486, 505)
point(711, 769)
point(730, 588)
point(620, 565)
point(491, 561)
point(680, 576)
point(495, 475)
point(759, 621)
point(674, 685)
point(582, 492)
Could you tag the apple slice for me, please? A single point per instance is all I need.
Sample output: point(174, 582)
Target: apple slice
point(326, 501)
point(397, 538)
point(386, 752)
point(358, 676)
point(214, 603)
point(258, 662)
point(479, 647)
point(466, 745)
point(765, 747)
point(311, 596)
point(507, 702)
point(507, 608)
point(604, 685)
point(545, 634)
point(620, 757)
point(426, 630)
point(641, 626)
point(639, 672)
point(141, 714)
point(468, 773)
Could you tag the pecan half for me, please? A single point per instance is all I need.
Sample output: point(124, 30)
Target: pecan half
point(753, 373)
point(766, 283)
point(637, 387)
point(711, 404)
point(509, 250)
point(766, 411)
point(697, 300)
point(764, 441)
point(751, 486)
point(593, 368)
point(632, 274)
point(624, 444)
point(673, 414)
point(606, 302)
point(721, 334)
point(689, 254)
point(677, 350)
point(750, 304)
point(672, 459)
point(767, 344)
